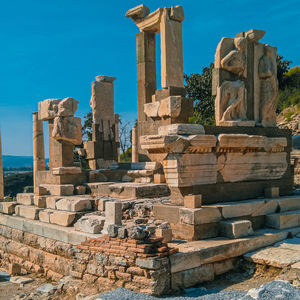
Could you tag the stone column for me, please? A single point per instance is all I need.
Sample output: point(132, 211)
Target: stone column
point(171, 47)
point(146, 74)
point(134, 142)
point(38, 147)
point(117, 121)
point(1, 172)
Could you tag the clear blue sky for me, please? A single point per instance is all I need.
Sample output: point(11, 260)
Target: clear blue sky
point(55, 48)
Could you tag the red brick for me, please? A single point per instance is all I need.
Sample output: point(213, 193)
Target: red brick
point(119, 248)
point(137, 250)
point(173, 250)
point(132, 241)
point(82, 247)
point(97, 249)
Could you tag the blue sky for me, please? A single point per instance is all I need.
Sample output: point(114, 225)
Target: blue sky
point(55, 48)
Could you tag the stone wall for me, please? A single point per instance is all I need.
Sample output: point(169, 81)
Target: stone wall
point(107, 263)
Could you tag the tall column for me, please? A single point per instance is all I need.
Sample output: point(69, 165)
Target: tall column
point(146, 74)
point(117, 134)
point(134, 142)
point(171, 48)
point(1, 172)
point(38, 147)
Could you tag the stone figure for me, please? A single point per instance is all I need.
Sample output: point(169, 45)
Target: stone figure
point(268, 88)
point(233, 101)
point(235, 60)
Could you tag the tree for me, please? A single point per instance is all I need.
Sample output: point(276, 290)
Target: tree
point(87, 126)
point(283, 66)
point(198, 88)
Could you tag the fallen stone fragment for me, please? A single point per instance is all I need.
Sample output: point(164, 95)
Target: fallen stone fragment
point(47, 289)
point(20, 280)
point(90, 224)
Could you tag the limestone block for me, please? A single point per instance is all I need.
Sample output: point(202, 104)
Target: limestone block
point(199, 216)
point(150, 165)
point(41, 191)
point(14, 269)
point(253, 34)
point(177, 13)
point(188, 278)
point(190, 169)
point(202, 143)
point(28, 212)
point(7, 208)
point(40, 201)
point(289, 203)
point(236, 167)
point(193, 201)
point(101, 203)
point(241, 141)
point(60, 189)
point(275, 144)
point(157, 141)
point(90, 224)
point(113, 214)
point(236, 229)
point(44, 215)
point(62, 218)
point(151, 109)
point(272, 192)
point(51, 201)
point(170, 107)
point(178, 129)
point(237, 123)
point(73, 204)
point(166, 234)
point(103, 78)
point(247, 208)
point(66, 170)
point(25, 198)
point(67, 129)
point(51, 108)
point(283, 220)
point(138, 13)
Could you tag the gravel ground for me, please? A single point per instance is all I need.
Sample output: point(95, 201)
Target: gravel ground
point(273, 290)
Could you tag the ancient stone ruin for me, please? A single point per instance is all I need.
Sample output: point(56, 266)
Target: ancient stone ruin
point(194, 199)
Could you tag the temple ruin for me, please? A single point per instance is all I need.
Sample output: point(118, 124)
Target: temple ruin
point(193, 200)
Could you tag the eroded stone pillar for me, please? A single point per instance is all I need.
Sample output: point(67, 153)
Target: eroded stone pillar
point(38, 147)
point(1, 172)
point(171, 47)
point(134, 141)
point(117, 121)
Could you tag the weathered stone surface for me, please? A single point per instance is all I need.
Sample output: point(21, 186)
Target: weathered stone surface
point(236, 229)
point(51, 201)
point(63, 218)
point(152, 263)
point(241, 141)
point(170, 107)
point(67, 129)
point(193, 201)
point(29, 212)
point(113, 214)
point(75, 203)
point(90, 224)
point(66, 170)
point(289, 203)
point(193, 276)
point(273, 256)
point(80, 190)
point(151, 109)
point(283, 220)
point(44, 215)
point(165, 233)
point(7, 208)
point(236, 167)
point(198, 216)
point(197, 253)
point(138, 13)
point(25, 198)
point(247, 208)
point(51, 108)
point(60, 189)
point(190, 169)
point(40, 201)
point(178, 129)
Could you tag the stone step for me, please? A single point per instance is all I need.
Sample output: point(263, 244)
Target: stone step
point(236, 228)
point(128, 189)
point(283, 220)
point(58, 233)
point(59, 189)
point(8, 208)
point(62, 218)
point(27, 211)
point(90, 224)
point(25, 198)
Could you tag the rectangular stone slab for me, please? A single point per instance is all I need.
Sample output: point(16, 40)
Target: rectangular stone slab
point(283, 220)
